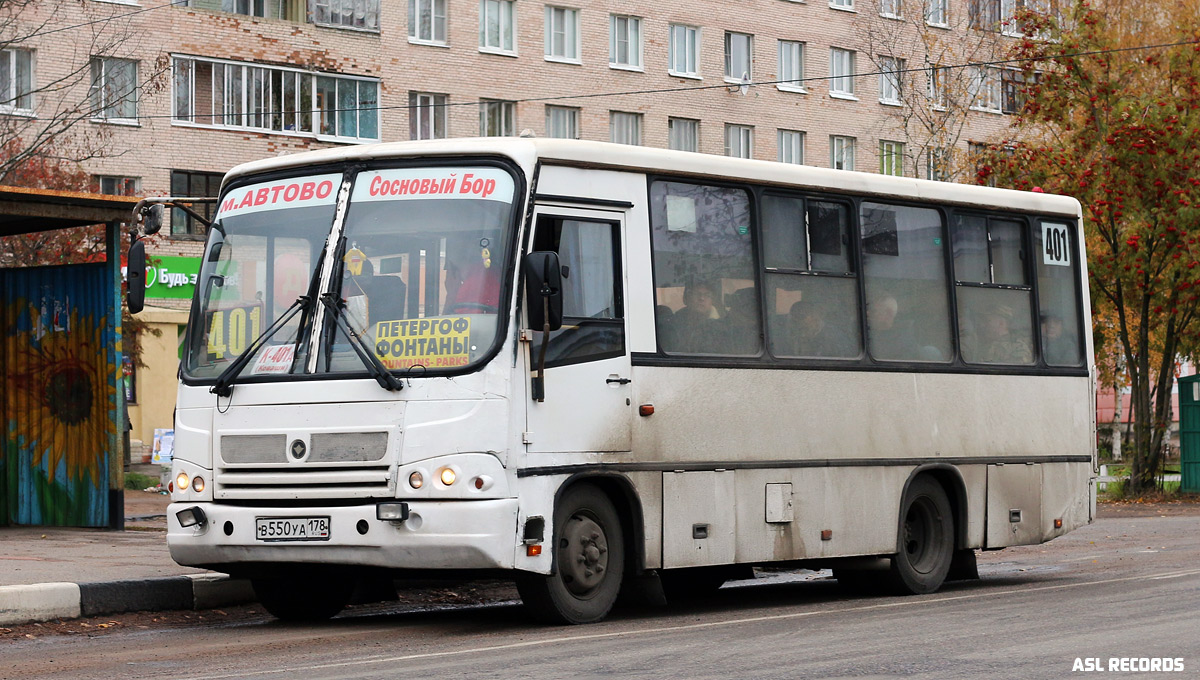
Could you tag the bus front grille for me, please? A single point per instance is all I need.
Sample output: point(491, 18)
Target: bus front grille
point(303, 481)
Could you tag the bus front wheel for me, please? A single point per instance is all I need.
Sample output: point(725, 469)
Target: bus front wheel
point(926, 541)
point(589, 561)
point(309, 597)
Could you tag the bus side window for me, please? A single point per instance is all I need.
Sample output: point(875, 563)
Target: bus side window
point(994, 295)
point(593, 315)
point(908, 308)
point(704, 270)
point(812, 290)
point(1058, 291)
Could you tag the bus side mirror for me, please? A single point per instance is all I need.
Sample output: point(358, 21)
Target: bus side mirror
point(152, 219)
point(543, 290)
point(135, 277)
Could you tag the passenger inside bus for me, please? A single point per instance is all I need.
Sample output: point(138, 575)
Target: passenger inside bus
point(811, 336)
point(695, 328)
point(997, 344)
point(1060, 349)
point(742, 334)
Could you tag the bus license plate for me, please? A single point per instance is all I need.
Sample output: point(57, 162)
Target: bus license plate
point(291, 528)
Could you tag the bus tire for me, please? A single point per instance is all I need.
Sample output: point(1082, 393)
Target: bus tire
point(311, 597)
point(926, 541)
point(589, 561)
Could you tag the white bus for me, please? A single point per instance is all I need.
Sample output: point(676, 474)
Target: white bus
point(748, 363)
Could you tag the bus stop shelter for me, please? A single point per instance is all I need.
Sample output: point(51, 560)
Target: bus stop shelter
point(63, 402)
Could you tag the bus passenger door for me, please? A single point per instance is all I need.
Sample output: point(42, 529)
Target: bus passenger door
point(587, 391)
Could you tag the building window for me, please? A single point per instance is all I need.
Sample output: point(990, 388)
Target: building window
point(625, 128)
point(937, 87)
point(791, 147)
point(193, 185)
point(791, 66)
point(625, 42)
point(238, 95)
point(114, 89)
point(497, 118)
point(739, 57)
point(562, 122)
point(891, 158)
point(497, 19)
point(117, 186)
point(562, 34)
point(841, 153)
point(685, 51)
point(935, 13)
point(997, 15)
point(1012, 85)
point(937, 164)
point(427, 21)
point(984, 88)
point(683, 134)
point(841, 71)
point(362, 14)
point(891, 71)
point(890, 9)
point(739, 141)
point(16, 81)
point(841, 4)
point(253, 8)
point(427, 115)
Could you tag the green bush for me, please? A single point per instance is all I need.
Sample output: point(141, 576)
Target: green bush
point(138, 481)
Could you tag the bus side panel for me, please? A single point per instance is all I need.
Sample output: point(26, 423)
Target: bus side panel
point(1066, 495)
point(857, 506)
point(1014, 505)
point(975, 480)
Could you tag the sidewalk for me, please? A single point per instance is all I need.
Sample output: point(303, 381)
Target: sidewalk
point(50, 573)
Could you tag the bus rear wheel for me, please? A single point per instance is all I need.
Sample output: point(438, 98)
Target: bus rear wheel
point(926, 541)
point(589, 561)
point(308, 597)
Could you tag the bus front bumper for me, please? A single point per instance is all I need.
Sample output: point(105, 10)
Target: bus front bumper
point(477, 534)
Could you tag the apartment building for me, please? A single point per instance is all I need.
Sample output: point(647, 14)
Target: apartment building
point(189, 89)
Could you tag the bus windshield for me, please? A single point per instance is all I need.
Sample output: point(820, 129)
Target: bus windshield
point(418, 271)
point(421, 266)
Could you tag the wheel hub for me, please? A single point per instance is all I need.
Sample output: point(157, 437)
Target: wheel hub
point(583, 555)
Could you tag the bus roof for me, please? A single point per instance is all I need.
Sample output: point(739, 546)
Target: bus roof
point(527, 152)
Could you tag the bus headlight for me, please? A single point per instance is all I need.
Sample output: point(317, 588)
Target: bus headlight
point(448, 476)
point(181, 481)
point(416, 480)
point(198, 484)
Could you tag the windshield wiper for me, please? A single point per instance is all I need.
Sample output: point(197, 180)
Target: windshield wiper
point(224, 385)
point(364, 351)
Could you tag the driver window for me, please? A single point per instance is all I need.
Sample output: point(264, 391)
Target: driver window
point(593, 319)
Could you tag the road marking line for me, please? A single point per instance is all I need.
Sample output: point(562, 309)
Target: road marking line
point(691, 626)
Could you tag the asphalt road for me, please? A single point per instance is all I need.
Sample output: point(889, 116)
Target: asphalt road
point(1125, 587)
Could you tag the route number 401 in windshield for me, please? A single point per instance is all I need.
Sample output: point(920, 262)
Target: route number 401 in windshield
point(232, 329)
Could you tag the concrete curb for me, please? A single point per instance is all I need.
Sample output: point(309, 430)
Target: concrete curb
point(49, 601)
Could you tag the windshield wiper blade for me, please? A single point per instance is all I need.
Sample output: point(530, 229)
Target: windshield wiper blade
point(224, 385)
point(364, 351)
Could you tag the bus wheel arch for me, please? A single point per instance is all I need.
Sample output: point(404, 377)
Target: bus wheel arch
point(592, 532)
point(928, 531)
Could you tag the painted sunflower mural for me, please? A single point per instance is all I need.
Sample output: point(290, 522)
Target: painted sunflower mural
point(60, 397)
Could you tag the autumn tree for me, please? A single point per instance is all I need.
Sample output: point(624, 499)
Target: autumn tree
point(928, 57)
point(1112, 117)
point(48, 110)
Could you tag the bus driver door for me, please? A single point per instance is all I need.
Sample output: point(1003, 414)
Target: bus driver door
point(587, 391)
